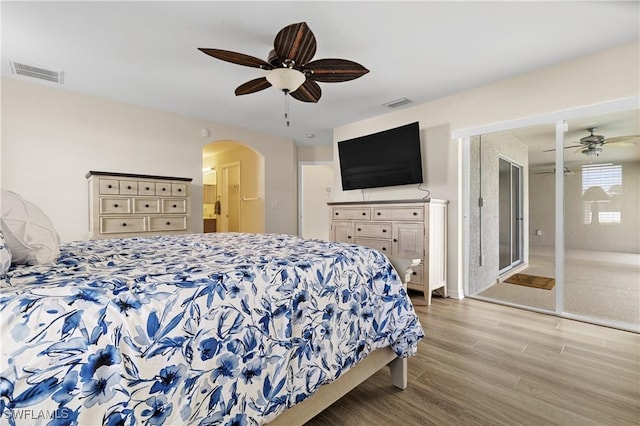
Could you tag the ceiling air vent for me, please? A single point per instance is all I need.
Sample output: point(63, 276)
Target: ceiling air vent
point(397, 103)
point(35, 71)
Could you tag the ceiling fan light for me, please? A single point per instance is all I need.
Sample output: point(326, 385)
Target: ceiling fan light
point(592, 151)
point(286, 79)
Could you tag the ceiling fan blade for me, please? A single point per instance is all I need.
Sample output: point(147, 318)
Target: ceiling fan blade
point(237, 58)
point(335, 70)
point(309, 92)
point(295, 42)
point(253, 86)
point(566, 147)
point(623, 140)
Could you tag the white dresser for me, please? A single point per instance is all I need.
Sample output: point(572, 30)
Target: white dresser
point(411, 229)
point(127, 205)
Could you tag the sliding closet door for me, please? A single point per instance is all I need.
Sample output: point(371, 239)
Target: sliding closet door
point(512, 217)
point(602, 219)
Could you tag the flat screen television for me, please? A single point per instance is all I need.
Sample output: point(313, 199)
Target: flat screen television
point(388, 158)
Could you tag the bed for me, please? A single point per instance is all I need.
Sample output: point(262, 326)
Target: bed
point(223, 328)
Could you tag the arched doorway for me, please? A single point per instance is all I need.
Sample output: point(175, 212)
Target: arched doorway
point(233, 188)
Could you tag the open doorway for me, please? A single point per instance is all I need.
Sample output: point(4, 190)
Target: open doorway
point(238, 204)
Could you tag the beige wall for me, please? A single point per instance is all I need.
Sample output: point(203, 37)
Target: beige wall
point(251, 184)
point(51, 138)
point(605, 76)
point(623, 237)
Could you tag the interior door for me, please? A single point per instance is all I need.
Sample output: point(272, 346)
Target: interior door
point(230, 198)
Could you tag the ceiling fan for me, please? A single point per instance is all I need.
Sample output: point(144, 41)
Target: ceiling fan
point(591, 145)
point(289, 66)
point(565, 171)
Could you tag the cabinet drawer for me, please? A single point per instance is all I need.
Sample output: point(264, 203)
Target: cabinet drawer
point(373, 229)
point(398, 213)
point(174, 205)
point(178, 190)
point(128, 187)
point(146, 205)
point(109, 186)
point(120, 225)
point(146, 188)
point(110, 205)
point(163, 188)
point(168, 223)
point(381, 245)
point(346, 213)
point(417, 275)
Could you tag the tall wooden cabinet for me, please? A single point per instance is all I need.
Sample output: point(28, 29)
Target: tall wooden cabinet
point(128, 205)
point(411, 229)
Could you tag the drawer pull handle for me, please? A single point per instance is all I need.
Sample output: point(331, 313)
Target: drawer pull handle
point(359, 229)
point(146, 205)
point(364, 213)
point(337, 213)
point(164, 189)
point(379, 213)
point(415, 213)
point(128, 186)
point(168, 223)
point(179, 189)
point(109, 186)
point(175, 206)
point(147, 188)
point(384, 249)
point(124, 224)
point(384, 230)
point(414, 273)
point(395, 240)
point(115, 205)
point(348, 237)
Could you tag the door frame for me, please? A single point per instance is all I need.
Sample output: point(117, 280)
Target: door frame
point(516, 207)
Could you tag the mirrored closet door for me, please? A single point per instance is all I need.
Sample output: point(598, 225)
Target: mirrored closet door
point(516, 227)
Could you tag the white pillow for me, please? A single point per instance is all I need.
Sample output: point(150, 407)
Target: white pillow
point(5, 255)
point(28, 232)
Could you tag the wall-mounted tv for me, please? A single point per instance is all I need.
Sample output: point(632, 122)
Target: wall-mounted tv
point(388, 158)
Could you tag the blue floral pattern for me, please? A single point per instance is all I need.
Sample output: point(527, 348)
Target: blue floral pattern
point(192, 329)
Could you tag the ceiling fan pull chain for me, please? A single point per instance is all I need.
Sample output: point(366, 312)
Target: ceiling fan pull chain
point(286, 106)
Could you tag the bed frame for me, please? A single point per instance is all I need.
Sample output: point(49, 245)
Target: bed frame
point(376, 360)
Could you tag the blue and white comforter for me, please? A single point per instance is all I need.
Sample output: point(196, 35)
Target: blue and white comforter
point(192, 329)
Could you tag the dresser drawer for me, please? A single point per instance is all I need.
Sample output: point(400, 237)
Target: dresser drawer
point(146, 205)
point(128, 187)
point(146, 188)
point(168, 223)
point(121, 225)
point(373, 229)
point(381, 245)
point(163, 188)
point(109, 186)
point(398, 213)
point(347, 213)
point(174, 205)
point(178, 190)
point(417, 275)
point(111, 205)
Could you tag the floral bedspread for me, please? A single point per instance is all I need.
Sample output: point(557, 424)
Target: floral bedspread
point(192, 329)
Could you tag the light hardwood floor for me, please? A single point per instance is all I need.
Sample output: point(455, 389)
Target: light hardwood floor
point(487, 364)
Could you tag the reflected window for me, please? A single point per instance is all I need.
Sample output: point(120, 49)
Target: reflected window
point(601, 186)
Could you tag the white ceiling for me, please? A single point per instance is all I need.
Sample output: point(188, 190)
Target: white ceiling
point(145, 53)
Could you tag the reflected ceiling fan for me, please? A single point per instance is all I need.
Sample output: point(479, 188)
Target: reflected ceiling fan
point(591, 145)
point(289, 66)
point(565, 171)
